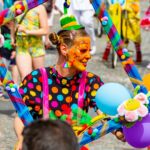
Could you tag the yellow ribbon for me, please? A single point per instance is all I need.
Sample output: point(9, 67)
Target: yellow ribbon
point(69, 24)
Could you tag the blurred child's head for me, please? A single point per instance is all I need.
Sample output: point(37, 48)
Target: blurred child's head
point(49, 135)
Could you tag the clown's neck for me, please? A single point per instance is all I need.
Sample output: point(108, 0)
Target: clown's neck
point(65, 72)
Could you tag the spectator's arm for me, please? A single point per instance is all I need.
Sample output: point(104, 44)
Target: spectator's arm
point(12, 33)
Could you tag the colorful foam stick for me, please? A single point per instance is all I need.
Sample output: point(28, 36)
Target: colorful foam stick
point(15, 97)
point(17, 9)
point(118, 45)
point(130, 112)
point(101, 130)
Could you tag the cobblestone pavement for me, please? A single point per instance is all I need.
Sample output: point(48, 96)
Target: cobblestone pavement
point(108, 142)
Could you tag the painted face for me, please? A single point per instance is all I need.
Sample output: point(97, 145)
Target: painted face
point(79, 53)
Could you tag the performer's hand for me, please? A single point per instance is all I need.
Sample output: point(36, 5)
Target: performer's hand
point(119, 135)
point(19, 145)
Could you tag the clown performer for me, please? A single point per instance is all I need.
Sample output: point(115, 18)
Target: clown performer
point(131, 25)
point(84, 12)
point(66, 85)
point(114, 9)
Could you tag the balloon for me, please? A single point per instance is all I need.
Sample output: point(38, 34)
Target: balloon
point(146, 80)
point(138, 135)
point(110, 96)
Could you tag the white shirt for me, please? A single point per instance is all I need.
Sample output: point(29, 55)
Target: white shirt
point(75, 5)
point(81, 5)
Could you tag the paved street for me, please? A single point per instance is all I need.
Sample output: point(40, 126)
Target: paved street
point(104, 70)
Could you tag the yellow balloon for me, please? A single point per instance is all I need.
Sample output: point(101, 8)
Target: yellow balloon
point(146, 80)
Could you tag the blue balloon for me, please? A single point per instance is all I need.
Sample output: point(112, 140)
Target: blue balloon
point(110, 96)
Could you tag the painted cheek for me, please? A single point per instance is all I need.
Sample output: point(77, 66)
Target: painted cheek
point(86, 56)
point(78, 53)
point(79, 66)
point(71, 54)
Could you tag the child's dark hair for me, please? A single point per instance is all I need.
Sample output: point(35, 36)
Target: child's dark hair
point(49, 135)
point(66, 36)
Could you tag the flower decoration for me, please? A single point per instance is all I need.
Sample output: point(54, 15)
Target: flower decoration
point(145, 22)
point(134, 109)
point(19, 8)
point(142, 98)
point(104, 20)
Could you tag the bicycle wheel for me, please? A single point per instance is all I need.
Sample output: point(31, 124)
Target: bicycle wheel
point(114, 59)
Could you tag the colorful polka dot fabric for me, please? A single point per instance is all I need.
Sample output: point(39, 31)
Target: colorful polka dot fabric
point(63, 92)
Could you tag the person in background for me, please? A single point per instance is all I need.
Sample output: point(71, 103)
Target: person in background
point(8, 53)
point(114, 10)
point(131, 26)
point(145, 24)
point(49, 6)
point(30, 51)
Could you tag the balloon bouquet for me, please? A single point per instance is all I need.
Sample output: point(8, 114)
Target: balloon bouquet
point(130, 113)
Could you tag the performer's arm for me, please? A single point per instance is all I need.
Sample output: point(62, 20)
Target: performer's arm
point(18, 126)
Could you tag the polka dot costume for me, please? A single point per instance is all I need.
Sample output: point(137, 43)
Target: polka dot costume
point(63, 92)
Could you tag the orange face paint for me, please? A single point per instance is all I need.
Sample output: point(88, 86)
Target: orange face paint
point(79, 53)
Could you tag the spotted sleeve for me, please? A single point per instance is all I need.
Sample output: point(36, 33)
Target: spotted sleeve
point(31, 91)
point(94, 83)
